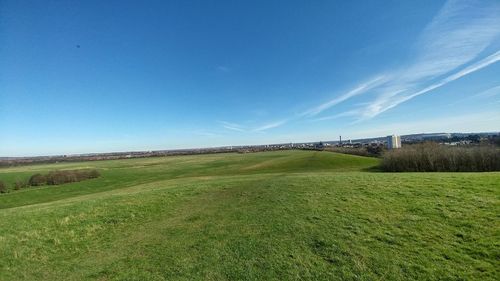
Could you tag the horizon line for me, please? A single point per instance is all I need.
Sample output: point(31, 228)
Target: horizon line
point(232, 145)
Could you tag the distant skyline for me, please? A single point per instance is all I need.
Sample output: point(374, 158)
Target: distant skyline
point(102, 76)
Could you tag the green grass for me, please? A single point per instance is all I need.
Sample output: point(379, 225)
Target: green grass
point(291, 215)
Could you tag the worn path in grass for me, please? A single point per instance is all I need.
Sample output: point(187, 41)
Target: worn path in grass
point(291, 215)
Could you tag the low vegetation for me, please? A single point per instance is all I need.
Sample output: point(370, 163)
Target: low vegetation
point(61, 177)
point(3, 187)
point(51, 178)
point(368, 151)
point(20, 184)
point(37, 180)
point(432, 157)
point(287, 215)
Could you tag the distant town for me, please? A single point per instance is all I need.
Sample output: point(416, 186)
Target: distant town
point(372, 145)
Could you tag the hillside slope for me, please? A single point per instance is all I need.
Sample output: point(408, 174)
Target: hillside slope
point(291, 215)
point(125, 173)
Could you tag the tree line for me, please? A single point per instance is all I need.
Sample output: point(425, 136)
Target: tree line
point(432, 157)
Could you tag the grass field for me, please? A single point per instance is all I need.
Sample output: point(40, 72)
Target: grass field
point(288, 215)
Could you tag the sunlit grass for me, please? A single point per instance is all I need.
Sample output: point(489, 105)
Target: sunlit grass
point(269, 216)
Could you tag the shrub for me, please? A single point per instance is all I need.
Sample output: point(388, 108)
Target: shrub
point(3, 187)
point(37, 180)
point(432, 157)
point(94, 174)
point(18, 184)
point(368, 151)
point(67, 176)
point(59, 177)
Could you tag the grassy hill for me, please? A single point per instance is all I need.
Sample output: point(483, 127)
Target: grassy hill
point(288, 215)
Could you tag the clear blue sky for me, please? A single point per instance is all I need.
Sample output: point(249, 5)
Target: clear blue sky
point(99, 76)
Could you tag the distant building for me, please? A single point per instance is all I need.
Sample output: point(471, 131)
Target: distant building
point(393, 142)
point(320, 145)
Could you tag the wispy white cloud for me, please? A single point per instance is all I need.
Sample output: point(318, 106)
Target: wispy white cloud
point(270, 126)
point(456, 36)
point(339, 115)
point(206, 134)
point(360, 89)
point(232, 126)
point(261, 128)
point(384, 103)
point(454, 44)
point(488, 93)
point(474, 67)
point(491, 92)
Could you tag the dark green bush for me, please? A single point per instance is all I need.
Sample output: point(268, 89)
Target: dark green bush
point(37, 180)
point(3, 187)
point(19, 184)
point(369, 151)
point(432, 157)
point(61, 177)
point(94, 174)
